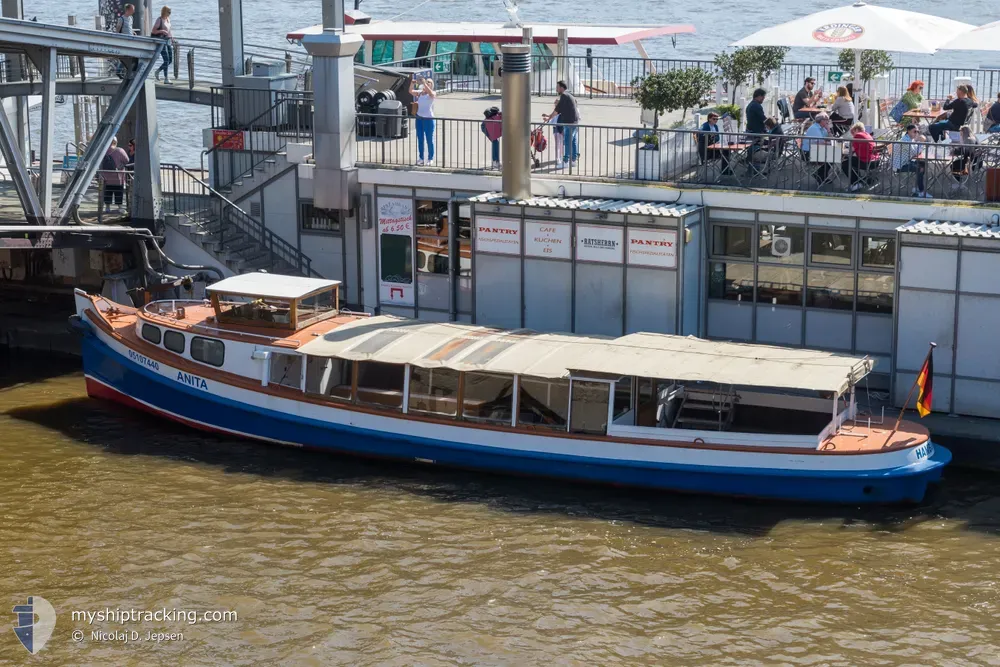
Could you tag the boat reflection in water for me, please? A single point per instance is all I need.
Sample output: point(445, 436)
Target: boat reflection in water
point(272, 358)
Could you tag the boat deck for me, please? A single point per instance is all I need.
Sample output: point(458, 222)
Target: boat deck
point(857, 437)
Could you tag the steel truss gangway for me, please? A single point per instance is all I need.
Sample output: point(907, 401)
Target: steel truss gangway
point(41, 43)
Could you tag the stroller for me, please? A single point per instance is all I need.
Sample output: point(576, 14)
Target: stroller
point(538, 144)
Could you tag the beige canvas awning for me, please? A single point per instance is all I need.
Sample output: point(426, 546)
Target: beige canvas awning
point(464, 347)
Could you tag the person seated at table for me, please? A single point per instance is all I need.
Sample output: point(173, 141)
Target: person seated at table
point(906, 158)
point(806, 97)
point(960, 105)
point(863, 155)
point(913, 97)
point(755, 113)
point(966, 156)
point(709, 135)
point(993, 116)
point(776, 134)
point(842, 111)
point(817, 132)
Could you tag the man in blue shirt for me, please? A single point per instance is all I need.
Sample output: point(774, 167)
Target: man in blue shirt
point(755, 113)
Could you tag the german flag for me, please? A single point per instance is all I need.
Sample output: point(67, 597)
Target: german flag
point(925, 380)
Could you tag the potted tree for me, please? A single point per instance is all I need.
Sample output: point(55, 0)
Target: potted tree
point(873, 65)
point(747, 63)
point(679, 89)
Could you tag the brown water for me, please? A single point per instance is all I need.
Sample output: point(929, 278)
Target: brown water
point(333, 561)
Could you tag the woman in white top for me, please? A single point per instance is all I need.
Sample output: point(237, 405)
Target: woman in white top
point(842, 111)
point(424, 96)
point(161, 29)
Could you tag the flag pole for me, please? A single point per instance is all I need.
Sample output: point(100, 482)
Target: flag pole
point(910, 395)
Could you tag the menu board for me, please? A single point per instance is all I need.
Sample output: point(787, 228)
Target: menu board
point(395, 241)
point(552, 240)
point(652, 247)
point(498, 235)
point(599, 244)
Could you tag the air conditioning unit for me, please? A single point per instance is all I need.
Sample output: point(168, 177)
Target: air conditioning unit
point(781, 246)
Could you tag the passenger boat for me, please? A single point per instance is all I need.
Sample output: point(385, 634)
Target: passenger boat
point(274, 358)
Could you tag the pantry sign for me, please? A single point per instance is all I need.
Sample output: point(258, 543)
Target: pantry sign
point(498, 235)
point(652, 247)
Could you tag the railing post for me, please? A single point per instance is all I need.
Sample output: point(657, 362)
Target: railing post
point(177, 65)
point(190, 64)
point(288, 62)
point(442, 135)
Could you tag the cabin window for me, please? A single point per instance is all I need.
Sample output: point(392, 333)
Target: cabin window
point(878, 252)
point(330, 377)
point(381, 384)
point(382, 51)
point(488, 398)
point(830, 289)
point(831, 247)
point(782, 244)
point(286, 370)
point(434, 391)
point(208, 351)
point(543, 403)
point(875, 293)
point(590, 407)
point(174, 341)
point(151, 333)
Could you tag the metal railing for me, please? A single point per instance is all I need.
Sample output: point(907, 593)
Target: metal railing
point(688, 158)
point(188, 196)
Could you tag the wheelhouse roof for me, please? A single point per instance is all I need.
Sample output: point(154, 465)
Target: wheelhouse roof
point(467, 348)
point(544, 33)
point(271, 286)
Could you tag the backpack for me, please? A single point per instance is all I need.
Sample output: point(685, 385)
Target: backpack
point(898, 110)
point(108, 163)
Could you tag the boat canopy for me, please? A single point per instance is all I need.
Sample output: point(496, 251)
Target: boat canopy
point(271, 286)
point(544, 33)
point(467, 348)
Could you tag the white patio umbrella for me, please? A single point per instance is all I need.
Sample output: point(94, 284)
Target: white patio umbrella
point(862, 27)
point(984, 38)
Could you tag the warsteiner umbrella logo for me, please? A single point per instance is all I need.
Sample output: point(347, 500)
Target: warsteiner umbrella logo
point(837, 33)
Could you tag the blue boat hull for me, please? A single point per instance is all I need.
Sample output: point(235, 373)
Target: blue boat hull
point(111, 376)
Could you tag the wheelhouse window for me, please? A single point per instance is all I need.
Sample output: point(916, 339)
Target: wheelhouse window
point(488, 398)
point(590, 407)
point(381, 384)
point(543, 403)
point(174, 341)
point(151, 333)
point(623, 397)
point(434, 391)
point(208, 351)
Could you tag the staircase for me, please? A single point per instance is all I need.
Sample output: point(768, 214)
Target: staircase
point(223, 229)
point(705, 409)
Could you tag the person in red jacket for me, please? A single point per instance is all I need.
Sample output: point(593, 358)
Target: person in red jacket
point(863, 156)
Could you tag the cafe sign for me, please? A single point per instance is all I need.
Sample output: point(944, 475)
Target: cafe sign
point(498, 235)
point(652, 247)
point(599, 244)
point(552, 240)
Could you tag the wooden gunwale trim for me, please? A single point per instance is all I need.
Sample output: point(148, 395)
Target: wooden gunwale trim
point(159, 354)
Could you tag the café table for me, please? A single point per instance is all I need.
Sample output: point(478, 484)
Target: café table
point(734, 152)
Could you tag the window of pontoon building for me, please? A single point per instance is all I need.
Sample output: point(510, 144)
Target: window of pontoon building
point(732, 282)
point(543, 402)
point(382, 51)
point(464, 63)
point(319, 219)
point(286, 370)
point(875, 293)
point(151, 333)
point(432, 236)
point(878, 252)
point(396, 257)
point(831, 248)
point(329, 377)
point(488, 398)
point(781, 244)
point(434, 391)
point(381, 384)
point(732, 241)
point(174, 341)
point(779, 285)
point(830, 289)
point(464, 282)
point(208, 351)
point(590, 407)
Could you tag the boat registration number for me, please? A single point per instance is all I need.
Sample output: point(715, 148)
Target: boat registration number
point(921, 452)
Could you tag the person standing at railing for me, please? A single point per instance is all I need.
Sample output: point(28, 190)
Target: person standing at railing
point(161, 29)
point(425, 97)
point(569, 116)
point(112, 173)
point(493, 128)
